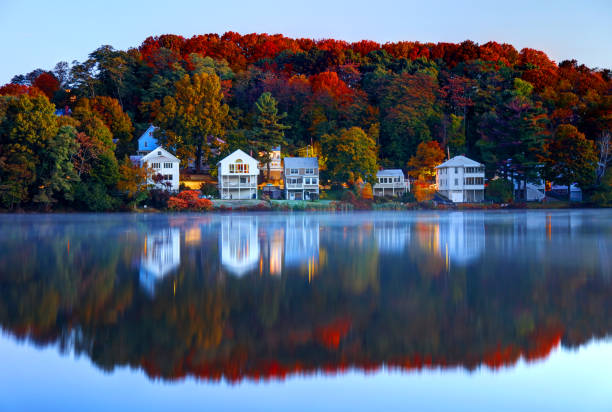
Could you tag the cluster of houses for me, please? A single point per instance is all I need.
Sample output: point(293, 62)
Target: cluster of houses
point(459, 179)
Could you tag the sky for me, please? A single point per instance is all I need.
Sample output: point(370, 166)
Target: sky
point(38, 34)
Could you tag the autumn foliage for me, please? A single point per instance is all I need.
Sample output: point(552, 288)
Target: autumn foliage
point(189, 200)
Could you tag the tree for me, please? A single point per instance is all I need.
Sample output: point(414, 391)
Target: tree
point(55, 170)
point(500, 190)
point(268, 133)
point(351, 154)
point(133, 181)
point(422, 164)
point(27, 126)
point(570, 158)
point(193, 115)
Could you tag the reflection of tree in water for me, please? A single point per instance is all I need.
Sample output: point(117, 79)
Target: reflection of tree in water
point(368, 306)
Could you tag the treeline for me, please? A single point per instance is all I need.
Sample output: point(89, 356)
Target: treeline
point(401, 105)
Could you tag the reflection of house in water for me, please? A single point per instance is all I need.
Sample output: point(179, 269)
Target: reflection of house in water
point(302, 242)
point(458, 238)
point(161, 254)
point(463, 235)
point(239, 244)
point(392, 237)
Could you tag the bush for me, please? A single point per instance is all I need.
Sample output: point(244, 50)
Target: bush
point(158, 198)
point(499, 191)
point(209, 189)
point(189, 200)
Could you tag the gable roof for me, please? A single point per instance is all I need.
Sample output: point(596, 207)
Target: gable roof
point(301, 162)
point(238, 153)
point(148, 133)
point(459, 161)
point(165, 153)
point(390, 172)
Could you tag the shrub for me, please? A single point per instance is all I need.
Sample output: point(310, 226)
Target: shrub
point(189, 200)
point(158, 198)
point(209, 189)
point(499, 191)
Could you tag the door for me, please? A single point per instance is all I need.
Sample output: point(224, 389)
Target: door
point(456, 197)
point(291, 196)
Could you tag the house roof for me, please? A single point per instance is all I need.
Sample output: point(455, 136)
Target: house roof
point(147, 132)
point(237, 153)
point(390, 172)
point(154, 153)
point(301, 162)
point(458, 161)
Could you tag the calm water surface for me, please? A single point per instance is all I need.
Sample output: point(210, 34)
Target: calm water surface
point(360, 311)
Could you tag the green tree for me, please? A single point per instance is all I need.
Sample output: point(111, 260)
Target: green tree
point(351, 155)
point(269, 132)
point(500, 190)
point(27, 127)
point(194, 114)
point(56, 174)
point(570, 158)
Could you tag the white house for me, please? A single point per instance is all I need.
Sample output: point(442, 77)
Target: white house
point(301, 175)
point(164, 163)
point(237, 174)
point(391, 182)
point(461, 180)
point(147, 141)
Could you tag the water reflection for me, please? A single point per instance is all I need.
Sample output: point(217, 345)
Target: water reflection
point(161, 255)
point(266, 295)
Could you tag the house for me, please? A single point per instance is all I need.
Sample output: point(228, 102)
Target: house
point(461, 180)
point(301, 175)
point(561, 192)
point(391, 182)
point(163, 163)
point(276, 168)
point(147, 141)
point(531, 192)
point(237, 174)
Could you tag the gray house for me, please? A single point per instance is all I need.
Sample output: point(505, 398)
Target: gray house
point(301, 178)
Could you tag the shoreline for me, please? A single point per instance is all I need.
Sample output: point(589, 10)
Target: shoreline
point(326, 206)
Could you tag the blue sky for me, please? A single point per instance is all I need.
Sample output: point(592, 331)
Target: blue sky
point(39, 33)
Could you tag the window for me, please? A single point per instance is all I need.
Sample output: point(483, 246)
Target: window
point(146, 143)
point(456, 182)
point(167, 165)
point(239, 167)
point(244, 180)
point(310, 171)
point(397, 179)
point(156, 165)
point(159, 153)
point(474, 181)
point(293, 171)
point(456, 170)
point(167, 177)
point(310, 180)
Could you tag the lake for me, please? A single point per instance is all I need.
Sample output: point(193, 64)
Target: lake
point(508, 310)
